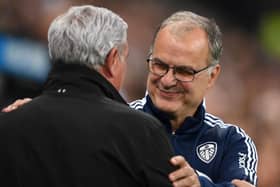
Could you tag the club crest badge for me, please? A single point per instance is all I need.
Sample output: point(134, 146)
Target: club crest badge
point(207, 151)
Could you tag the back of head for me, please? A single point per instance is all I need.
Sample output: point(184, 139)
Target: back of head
point(183, 21)
point(85, 35)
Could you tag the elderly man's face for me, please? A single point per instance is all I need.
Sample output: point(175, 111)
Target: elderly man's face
point(188, 49)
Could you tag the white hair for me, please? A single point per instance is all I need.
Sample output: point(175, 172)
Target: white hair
point(85, 35)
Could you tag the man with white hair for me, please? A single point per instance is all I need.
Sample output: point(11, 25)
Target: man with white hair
point(184, 64)
point(80, 131)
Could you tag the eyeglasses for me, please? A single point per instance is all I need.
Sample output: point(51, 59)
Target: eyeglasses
point(181, 73)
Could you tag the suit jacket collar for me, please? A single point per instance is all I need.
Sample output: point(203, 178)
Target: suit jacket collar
point(80, 79)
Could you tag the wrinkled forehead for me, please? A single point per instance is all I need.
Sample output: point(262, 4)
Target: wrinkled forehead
point(181, 29)
point(187, 46)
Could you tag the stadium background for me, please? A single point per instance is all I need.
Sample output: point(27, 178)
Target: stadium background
point(248, 90)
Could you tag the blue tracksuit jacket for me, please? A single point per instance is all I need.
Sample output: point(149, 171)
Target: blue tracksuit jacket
point(219, 152)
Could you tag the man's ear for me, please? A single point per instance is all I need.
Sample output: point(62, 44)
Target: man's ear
point(214, 75)
point(110, 64)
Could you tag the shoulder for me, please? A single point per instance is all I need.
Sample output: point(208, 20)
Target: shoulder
point(130, 115)
point(138, 104)
point(22, 115)
point(140, 127)
point(229, 133)
point(14, 123)
point(213, 121)
point(140, 117)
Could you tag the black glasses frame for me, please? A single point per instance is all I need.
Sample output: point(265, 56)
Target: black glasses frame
point(192, 72)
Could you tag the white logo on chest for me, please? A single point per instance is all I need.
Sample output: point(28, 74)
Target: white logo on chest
point(206, 151)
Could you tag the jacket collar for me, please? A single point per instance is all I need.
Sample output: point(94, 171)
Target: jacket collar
point(190, 124)
point(80, 78)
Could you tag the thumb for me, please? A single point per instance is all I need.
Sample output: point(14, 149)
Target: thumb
point(241, 183)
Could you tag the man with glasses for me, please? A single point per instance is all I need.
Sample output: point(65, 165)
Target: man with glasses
point(181, 73)
point(183, 65)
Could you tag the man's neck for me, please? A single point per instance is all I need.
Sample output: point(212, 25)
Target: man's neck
point(179, 119)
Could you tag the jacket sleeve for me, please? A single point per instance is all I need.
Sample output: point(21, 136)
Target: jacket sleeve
point(205, 182)
point(239, 161)
point(156, 165)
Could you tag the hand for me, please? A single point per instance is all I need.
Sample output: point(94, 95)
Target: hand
point(241, 183)
point(16, 104)
point(185, 176)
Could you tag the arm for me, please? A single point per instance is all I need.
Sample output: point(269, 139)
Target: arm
point(16, 104)
point(186, 176)
point(239, 158)
point(154, 153)
point(239, 161)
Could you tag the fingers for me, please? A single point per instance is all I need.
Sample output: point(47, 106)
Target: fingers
point(241, 183)
point(183, 168)
point(16, 104)
point(179, 161)
point(191, 181)
point(185, 176)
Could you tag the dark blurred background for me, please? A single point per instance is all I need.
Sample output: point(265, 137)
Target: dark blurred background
point(247, 92)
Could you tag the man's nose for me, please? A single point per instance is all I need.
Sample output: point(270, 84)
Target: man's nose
point(169, 77)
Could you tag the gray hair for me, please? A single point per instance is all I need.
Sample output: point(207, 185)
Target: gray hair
point(189, 21)
point(85, 35)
